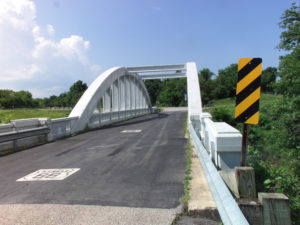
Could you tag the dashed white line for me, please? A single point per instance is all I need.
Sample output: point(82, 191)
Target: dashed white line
point(131, 131)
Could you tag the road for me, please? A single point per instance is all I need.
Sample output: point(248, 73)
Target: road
point(132, 168)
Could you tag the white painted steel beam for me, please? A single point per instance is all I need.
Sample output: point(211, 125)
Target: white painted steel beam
point(145, 69)
point(193, 88)
point(162, 76)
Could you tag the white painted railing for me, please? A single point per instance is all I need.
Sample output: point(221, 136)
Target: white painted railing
point(60, 127)
point(106, 118)
point(221, 141)
point(24, 133)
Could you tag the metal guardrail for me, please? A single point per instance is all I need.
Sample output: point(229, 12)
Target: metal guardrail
point(15, 135)
point(228, 209)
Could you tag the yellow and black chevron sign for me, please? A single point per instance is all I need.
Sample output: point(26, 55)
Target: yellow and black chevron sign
point(248, 90)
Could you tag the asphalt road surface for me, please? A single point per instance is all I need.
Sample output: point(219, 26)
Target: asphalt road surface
point(136, 164)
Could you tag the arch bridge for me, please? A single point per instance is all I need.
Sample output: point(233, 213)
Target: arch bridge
point(119, 94)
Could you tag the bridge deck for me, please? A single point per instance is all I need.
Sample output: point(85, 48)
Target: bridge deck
point(142, 169)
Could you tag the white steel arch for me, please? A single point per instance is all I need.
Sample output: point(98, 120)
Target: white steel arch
point(115, 95)
point(119, 93)
point(188, 70)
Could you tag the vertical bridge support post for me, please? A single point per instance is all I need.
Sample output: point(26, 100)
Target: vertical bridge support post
point(276, 209)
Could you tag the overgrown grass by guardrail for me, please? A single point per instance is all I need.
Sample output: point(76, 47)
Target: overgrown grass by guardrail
point(7, 115)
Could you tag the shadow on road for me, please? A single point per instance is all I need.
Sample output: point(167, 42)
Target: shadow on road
point(138, 120)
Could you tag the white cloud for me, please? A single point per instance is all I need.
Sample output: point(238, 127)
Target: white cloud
point(30, 59)
point(50, 29)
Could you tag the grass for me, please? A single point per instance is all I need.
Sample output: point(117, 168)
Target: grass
point(188, 169)
point(7, 115)
point(188, 177)
point(229, 103)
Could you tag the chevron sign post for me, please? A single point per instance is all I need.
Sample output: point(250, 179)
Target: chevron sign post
point(247, 97)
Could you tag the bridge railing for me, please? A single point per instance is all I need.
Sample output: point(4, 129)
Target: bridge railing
point(221, 141)
point(60, 127)
point(106, 118)
point(24, 133)
point(217, 145)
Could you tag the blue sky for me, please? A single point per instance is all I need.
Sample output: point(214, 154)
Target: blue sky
point(212, 33)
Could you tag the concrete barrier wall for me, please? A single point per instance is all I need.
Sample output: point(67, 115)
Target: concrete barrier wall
point(222, 142)
point(58, 128)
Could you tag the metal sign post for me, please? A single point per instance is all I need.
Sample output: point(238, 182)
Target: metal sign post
point(244, 144)
point(247, 97)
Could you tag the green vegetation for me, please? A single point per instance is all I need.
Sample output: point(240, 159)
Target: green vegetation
point(229, 103)
point(68, 99)
point(171, 92)
point(23, 99)
point(7, 115)
point(188, 169)
point(20, 99)
point(273, 146)
point(168, 92)
point(274, 149)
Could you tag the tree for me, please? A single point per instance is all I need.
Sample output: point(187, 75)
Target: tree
point(205, 74)
point(74, 94)
point(154, 88)
point(289, 67)
point(20, 99)
point(173, 92)
point(289, 72)
point(78, 87)
point(207, 85)
point(290, 21)
point(67, 99)
point(268, 79)
point(226, 82)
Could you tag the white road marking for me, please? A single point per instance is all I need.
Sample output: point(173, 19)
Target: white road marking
point(131, 131)
point(102, 146)
point(49, 174)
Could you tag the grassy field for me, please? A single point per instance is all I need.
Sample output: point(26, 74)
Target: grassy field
point(7, 115)
point(229, 103)
point(14, 114)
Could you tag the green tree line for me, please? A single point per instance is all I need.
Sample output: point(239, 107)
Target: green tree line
point(172, 92)
point(23, 99)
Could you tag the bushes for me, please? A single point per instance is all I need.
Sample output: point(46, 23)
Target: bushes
point(274, 148)
point(223, 114)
